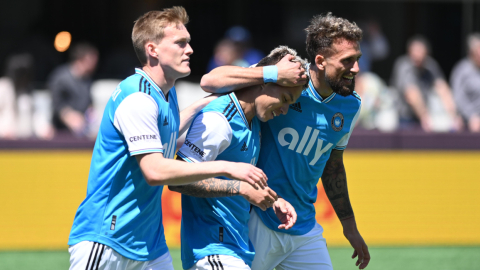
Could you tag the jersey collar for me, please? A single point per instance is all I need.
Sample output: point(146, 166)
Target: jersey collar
point(155, 86)
point(239, 108)
point(314, 92)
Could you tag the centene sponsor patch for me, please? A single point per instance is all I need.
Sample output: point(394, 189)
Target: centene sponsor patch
point(194, 148)
point(143, 137)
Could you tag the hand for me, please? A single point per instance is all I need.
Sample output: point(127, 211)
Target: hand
point(262, 198)
point(247, 173)
point(285, 213)
point(360, 248)
point(474, 123)
point(290, 73)
point(426, 123)
point(74, 120)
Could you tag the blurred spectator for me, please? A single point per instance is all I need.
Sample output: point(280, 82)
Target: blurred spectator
point(70, 88)
point(235, 49)
point(465, 80)
point(378, 103)
point(425, 95)
point(374, 45)
point(19, 113)
point(227, 52)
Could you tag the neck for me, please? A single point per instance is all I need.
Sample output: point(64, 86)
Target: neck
point(157, 74)
point(318, 79)
point(246, 97)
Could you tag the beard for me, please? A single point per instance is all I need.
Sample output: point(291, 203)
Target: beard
point(340, 87)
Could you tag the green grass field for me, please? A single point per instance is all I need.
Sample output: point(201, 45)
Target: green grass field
point(383, 258)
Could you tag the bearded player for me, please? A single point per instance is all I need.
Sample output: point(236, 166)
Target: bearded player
point(305, 145)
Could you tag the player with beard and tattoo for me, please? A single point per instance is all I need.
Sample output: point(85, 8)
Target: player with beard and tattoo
point(305, 145)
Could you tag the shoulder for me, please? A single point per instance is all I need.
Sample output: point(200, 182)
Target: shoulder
point(211, 118)
point(403, 61)
point(463, 66)
point(220, 104)
point(131, 84)
point(352, 102)
point(59, 73)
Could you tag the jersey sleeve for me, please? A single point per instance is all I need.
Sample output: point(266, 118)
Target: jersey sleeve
point(137, 119)
point(342, 144)
point(209, 135)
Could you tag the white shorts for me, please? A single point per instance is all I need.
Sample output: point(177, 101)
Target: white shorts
point(220, 262)
point(287, 252)
point(88, 255)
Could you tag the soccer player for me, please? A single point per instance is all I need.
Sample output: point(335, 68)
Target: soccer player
point(119, 224)
point(215, 221)
point(304, 145)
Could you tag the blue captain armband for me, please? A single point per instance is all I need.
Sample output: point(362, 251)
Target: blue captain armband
point(270, 74)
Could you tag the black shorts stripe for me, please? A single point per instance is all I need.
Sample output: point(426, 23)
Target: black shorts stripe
point(89, 257)
point(210, 262)
point(213, 259)
point(95, 257)
point(100, 257)
point(219, 262)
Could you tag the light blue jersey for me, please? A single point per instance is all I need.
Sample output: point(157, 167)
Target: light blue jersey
point(212, 226)
point(296, 147)
point(121, 210)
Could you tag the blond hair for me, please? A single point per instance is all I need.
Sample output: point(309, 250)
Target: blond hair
point(325, 29)
point(151, 25)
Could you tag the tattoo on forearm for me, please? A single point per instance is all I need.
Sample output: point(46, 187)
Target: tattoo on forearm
point(334, 181)
point(210, 188)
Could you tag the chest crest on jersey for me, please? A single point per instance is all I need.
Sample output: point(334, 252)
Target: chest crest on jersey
point(337, 121)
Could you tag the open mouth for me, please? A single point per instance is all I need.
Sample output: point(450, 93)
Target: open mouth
point(348, 79)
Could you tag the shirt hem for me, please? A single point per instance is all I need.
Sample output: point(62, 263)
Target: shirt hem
point(117, 247)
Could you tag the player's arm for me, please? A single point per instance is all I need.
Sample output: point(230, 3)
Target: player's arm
point(225, 79)
point(215, 187)
point(136, 118)
point(334, 181)
point(158, 170)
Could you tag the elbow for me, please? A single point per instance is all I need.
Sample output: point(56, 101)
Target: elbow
point(153, 178)
point(207, 83)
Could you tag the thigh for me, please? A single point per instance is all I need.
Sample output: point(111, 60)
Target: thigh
point(163, 262)
point(311, 253)
point(220, 262)
point(270, 247)
point(86, 255)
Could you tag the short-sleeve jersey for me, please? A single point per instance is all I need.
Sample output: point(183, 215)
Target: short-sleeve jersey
point(213, 226)
point(296, 147)
point(121, 210)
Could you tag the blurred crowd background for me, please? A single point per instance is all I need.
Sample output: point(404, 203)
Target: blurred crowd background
point(61, 60)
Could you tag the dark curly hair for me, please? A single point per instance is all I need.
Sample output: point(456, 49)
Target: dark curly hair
point(324, 29)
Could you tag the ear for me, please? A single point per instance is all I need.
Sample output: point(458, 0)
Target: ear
point(150, 49)
point(320, 62)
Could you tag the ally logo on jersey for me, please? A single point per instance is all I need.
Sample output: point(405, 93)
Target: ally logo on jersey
point(306, 144)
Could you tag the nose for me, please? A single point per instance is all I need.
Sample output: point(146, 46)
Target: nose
point(356, 68)
point(189, 49)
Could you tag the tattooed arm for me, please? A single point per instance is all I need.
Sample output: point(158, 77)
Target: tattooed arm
point(334, 181)
point(214, 187)
point(209, 188)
